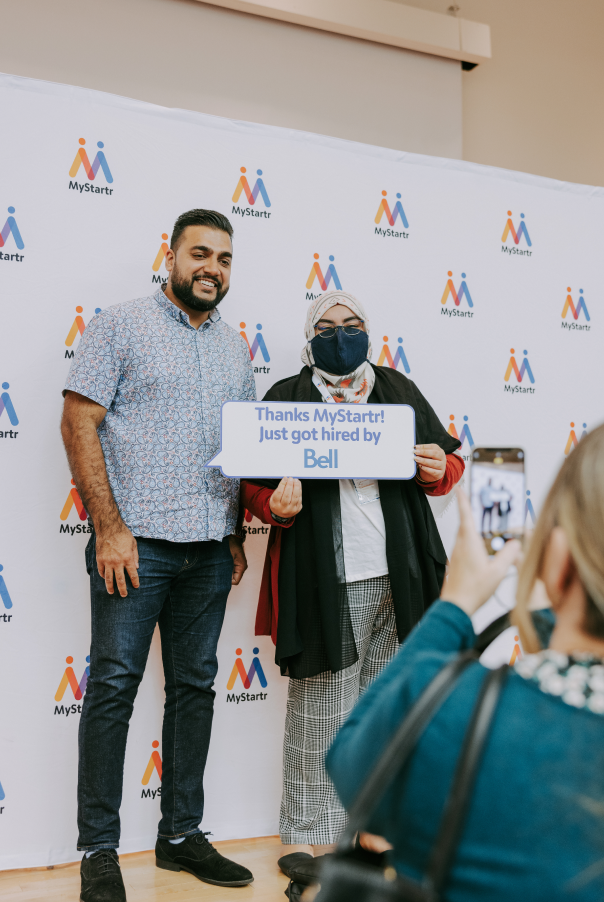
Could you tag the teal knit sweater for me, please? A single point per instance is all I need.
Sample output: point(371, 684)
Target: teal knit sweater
point(535, 827)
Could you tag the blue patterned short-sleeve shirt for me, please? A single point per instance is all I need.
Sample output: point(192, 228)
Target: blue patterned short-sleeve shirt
point(163, 384)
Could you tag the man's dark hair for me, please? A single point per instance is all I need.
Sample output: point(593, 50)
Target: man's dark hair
point(209, 218)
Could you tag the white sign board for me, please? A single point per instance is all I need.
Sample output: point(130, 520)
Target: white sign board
point(316, 440)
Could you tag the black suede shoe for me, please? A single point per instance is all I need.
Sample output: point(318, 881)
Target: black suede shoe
point(102, 878)
point(197, 856)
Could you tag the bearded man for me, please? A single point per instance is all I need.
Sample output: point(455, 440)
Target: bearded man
point(141, 418)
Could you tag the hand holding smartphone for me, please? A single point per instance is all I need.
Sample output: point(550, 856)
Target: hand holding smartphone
point(498, 495)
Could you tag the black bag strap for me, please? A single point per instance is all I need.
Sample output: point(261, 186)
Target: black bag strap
point(494, 629)
point(402, 745)
point(458, 802)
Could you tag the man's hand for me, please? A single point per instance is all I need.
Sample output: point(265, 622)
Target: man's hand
point(432, 462)
point(116, 549)
point(239, 559)
point(116, 552)
point(286, 500)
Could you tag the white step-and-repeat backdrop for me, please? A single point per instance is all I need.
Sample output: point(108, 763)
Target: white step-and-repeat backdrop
point(485, 286)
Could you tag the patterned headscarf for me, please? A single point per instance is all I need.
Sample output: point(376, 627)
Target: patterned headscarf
point(352, 388)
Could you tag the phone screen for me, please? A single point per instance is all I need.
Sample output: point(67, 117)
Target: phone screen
point(498, 495)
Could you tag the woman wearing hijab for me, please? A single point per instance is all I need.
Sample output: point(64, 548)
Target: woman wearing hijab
point(351, 565)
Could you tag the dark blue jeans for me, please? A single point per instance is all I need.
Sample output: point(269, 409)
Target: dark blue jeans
point(183, 587)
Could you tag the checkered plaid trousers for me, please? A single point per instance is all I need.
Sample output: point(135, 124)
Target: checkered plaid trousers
point(318, 706)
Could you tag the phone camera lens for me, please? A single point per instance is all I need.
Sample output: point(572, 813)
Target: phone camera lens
point(520, 455)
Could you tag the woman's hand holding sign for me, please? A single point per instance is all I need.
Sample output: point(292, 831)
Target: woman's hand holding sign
point(432, 462)
point(286, 500)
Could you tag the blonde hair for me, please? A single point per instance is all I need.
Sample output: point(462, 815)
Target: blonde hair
point(575, 502)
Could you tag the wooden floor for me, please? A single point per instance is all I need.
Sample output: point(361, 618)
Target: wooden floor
point(146, 883)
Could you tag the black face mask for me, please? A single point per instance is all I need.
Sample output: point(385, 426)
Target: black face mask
point(340, 354)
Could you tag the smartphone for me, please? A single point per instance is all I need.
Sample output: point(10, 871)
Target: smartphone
point(498, 495)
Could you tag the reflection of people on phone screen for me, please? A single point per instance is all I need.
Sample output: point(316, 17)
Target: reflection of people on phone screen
point(505, 506)
point(487, 501)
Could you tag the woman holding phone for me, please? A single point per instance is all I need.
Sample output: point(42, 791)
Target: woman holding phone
point(534, 827)
point(351, 565)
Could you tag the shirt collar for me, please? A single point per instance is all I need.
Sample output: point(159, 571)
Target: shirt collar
point(176, 313)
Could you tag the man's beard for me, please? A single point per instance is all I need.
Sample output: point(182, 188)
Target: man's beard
point(183, 289)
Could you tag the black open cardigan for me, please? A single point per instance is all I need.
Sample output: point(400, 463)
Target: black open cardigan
point(314, 632)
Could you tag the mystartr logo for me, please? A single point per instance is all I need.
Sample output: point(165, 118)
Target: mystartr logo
point(456, 297)
point(10, 227)
point(510, 232)
point(153, 765)
point(6, 406)
point(573, 441)
point(77, 328)
point(386, 358)
point(251, 194)
point(159, 259)
point(258, 344)
point(464, 435)
point(391, 218)
point(6, 599)
point(247, 679)
point(569, 307)
point(78, 689)
point(90, 170)
point(324, 282)
point(525, 369)
point(74, 500)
